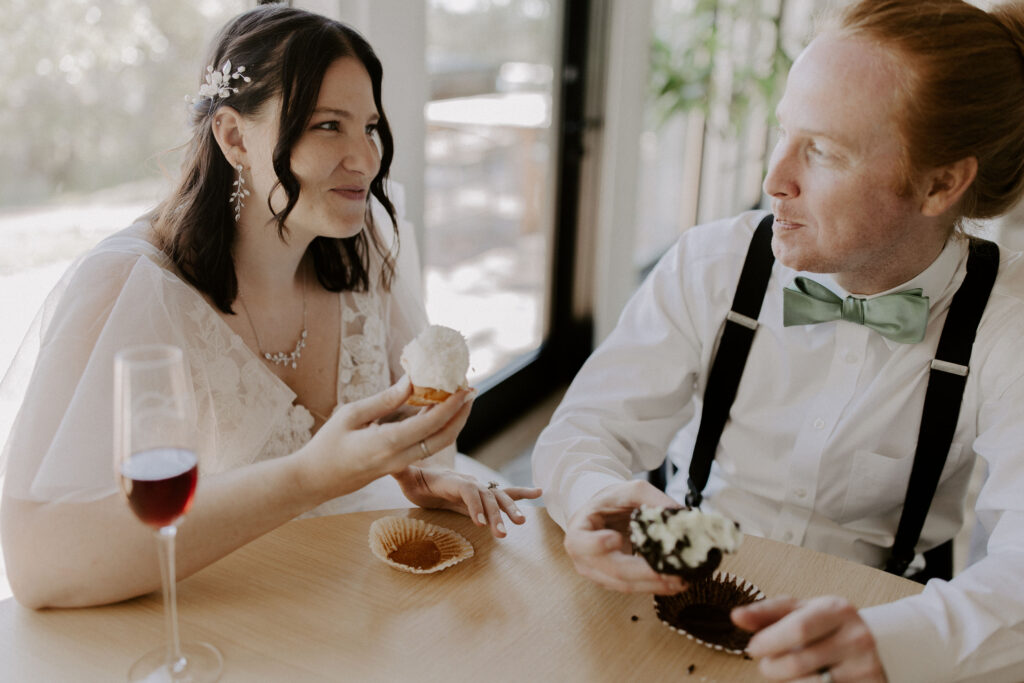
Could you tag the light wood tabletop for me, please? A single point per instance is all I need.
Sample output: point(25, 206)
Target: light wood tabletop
point(309, 602)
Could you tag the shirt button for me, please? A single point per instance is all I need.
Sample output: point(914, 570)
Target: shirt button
point(819, 424)
point(852, 358)
point(788, 536)
point(800, 493)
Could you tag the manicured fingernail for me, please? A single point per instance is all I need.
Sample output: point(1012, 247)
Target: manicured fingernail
point(481, 518)
point(501, 527)
point(515, 511)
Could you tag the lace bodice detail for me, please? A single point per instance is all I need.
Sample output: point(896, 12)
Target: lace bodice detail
point(249, 405)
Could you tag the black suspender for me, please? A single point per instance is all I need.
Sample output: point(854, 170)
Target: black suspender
point(946, 381)
point(727, 367)
point(943, 397)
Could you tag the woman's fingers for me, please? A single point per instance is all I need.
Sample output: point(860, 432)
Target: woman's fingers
point(441, 424)
point(493, 512)
point(474, 504)
point(507, 503)
point(363, 412)
point(520, 492)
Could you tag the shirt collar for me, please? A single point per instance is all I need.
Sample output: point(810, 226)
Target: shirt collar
point(937, 281)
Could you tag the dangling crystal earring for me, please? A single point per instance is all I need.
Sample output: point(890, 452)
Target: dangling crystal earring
point(238, 193)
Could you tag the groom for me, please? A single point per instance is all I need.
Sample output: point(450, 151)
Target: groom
point(875, 168)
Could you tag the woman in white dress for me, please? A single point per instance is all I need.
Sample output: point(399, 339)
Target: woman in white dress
point(275, 266)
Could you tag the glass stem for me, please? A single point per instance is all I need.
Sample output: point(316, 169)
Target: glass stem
point(165, 535)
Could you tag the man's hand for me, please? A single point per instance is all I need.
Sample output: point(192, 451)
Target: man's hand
point(796, 640)
point(597, 540)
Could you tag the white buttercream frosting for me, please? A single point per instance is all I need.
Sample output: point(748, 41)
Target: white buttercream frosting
point(685, 534)
point(438, 358)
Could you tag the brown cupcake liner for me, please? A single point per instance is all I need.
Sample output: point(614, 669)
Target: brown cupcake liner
point(701, 612)
point(426, 396)
point(415, 546)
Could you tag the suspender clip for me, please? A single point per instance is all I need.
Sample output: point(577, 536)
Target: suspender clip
point(898, 565)
point(951, 368)
point(741, 319)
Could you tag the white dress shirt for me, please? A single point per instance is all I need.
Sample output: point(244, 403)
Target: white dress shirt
point(821, 438)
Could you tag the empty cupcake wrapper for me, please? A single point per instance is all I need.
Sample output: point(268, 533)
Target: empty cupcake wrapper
point(415, 546)
point(701, 612)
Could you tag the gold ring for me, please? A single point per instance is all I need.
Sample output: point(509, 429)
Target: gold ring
point(423, 447)
point(492, 485)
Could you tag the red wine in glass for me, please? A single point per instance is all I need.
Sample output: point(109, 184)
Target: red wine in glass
point(160, 484)
point(155, 465)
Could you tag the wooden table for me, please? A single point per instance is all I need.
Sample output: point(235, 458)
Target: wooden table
point(308, 602)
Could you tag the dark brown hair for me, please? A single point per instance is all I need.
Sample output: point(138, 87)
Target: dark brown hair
point(285, 53)
point(965, 89)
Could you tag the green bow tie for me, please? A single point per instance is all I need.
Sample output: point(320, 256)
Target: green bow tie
point(901, 317)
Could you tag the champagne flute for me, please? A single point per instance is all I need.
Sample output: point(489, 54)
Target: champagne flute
point(156, 465)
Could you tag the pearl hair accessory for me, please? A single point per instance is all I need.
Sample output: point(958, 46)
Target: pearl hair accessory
point(218, 83)
point(238, 193)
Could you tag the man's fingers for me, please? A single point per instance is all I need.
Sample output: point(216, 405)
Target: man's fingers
point(848, 652)
point(584, 543)
point(630, 574)
point(598, 556)
point(809, 622)
point(758, 615)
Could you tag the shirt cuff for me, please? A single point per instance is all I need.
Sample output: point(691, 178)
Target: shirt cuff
point(899, 629)
point(583, 488)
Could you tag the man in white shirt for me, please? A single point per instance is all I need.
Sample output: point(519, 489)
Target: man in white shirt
point(897, 122)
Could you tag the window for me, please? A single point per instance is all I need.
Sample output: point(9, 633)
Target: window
point(490, 166)
point(91, 105)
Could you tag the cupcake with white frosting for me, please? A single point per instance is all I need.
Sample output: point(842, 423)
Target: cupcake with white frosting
point(437, 361)
point(688, 543)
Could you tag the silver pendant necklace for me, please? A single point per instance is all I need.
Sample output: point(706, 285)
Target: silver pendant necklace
point(280, 357)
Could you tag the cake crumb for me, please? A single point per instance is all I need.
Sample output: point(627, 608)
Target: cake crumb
point(690, 669)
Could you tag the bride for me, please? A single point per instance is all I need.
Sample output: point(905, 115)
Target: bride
point(275, 266)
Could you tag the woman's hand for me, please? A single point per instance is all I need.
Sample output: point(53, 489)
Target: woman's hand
point(449, 490)
point(355, 446)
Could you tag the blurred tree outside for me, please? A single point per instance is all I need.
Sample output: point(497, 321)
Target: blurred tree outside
point(469, 41)
point(92, 105)
point(93, 91)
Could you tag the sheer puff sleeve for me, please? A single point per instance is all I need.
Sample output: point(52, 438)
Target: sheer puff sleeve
point(60, 442)
point(125, 292)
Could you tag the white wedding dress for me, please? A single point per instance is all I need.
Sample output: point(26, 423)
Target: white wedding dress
point(126, 291)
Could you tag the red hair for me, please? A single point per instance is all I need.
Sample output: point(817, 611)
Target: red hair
point(964, 94)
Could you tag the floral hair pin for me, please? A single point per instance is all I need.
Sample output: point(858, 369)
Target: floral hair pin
point(218, 83)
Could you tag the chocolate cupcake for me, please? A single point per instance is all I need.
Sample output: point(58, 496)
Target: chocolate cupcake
point(702, 611)
point(687, 543)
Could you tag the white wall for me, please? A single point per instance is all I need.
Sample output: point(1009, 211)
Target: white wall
point(625, 92)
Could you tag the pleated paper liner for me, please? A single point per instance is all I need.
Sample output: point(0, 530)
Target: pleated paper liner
point(701, 612)
point(412, 545)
